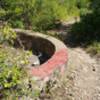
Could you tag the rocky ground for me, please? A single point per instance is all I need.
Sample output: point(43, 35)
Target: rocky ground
point(81, 80)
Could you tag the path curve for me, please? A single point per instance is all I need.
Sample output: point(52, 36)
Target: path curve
point(81, 81)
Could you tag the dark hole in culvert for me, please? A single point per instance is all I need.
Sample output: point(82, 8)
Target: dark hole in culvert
point(41, 48)
point(42, 56)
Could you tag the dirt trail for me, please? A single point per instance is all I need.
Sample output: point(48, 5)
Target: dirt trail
point(86, 75)
point(81, 80)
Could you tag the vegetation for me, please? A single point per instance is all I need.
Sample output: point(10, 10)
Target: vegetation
point(10, 70)
point(94, 48)
point(7, 35)
point(89, 24)
point(40, 14)
point(87, 31)
point(13, 68)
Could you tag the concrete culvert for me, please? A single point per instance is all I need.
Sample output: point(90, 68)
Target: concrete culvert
point(49, 53)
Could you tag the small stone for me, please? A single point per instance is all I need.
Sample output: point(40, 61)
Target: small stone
point(94, 69)
point(71, 94)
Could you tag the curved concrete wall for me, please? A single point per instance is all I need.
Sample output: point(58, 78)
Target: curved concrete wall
point(56, 50)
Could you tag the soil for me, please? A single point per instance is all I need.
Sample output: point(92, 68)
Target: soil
point(80, 81)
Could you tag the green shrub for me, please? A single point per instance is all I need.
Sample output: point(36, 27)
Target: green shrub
point(14, 81)
point(11, 67)
point(94, 48)
point(39, 14)
point(7, 34)
point(9, 77)
point(17, 23)
point(88, 30)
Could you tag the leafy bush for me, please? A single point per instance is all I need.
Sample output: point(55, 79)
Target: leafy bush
point(7, 34)
point(17, 23)
point(87, 30)
point(94, 48)
point(11, 70)
point(14, 80)
point(39, 14)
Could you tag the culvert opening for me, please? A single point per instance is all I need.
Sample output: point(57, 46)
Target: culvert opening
point(41, 48)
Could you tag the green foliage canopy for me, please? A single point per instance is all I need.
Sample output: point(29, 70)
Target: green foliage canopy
point(39, 14)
